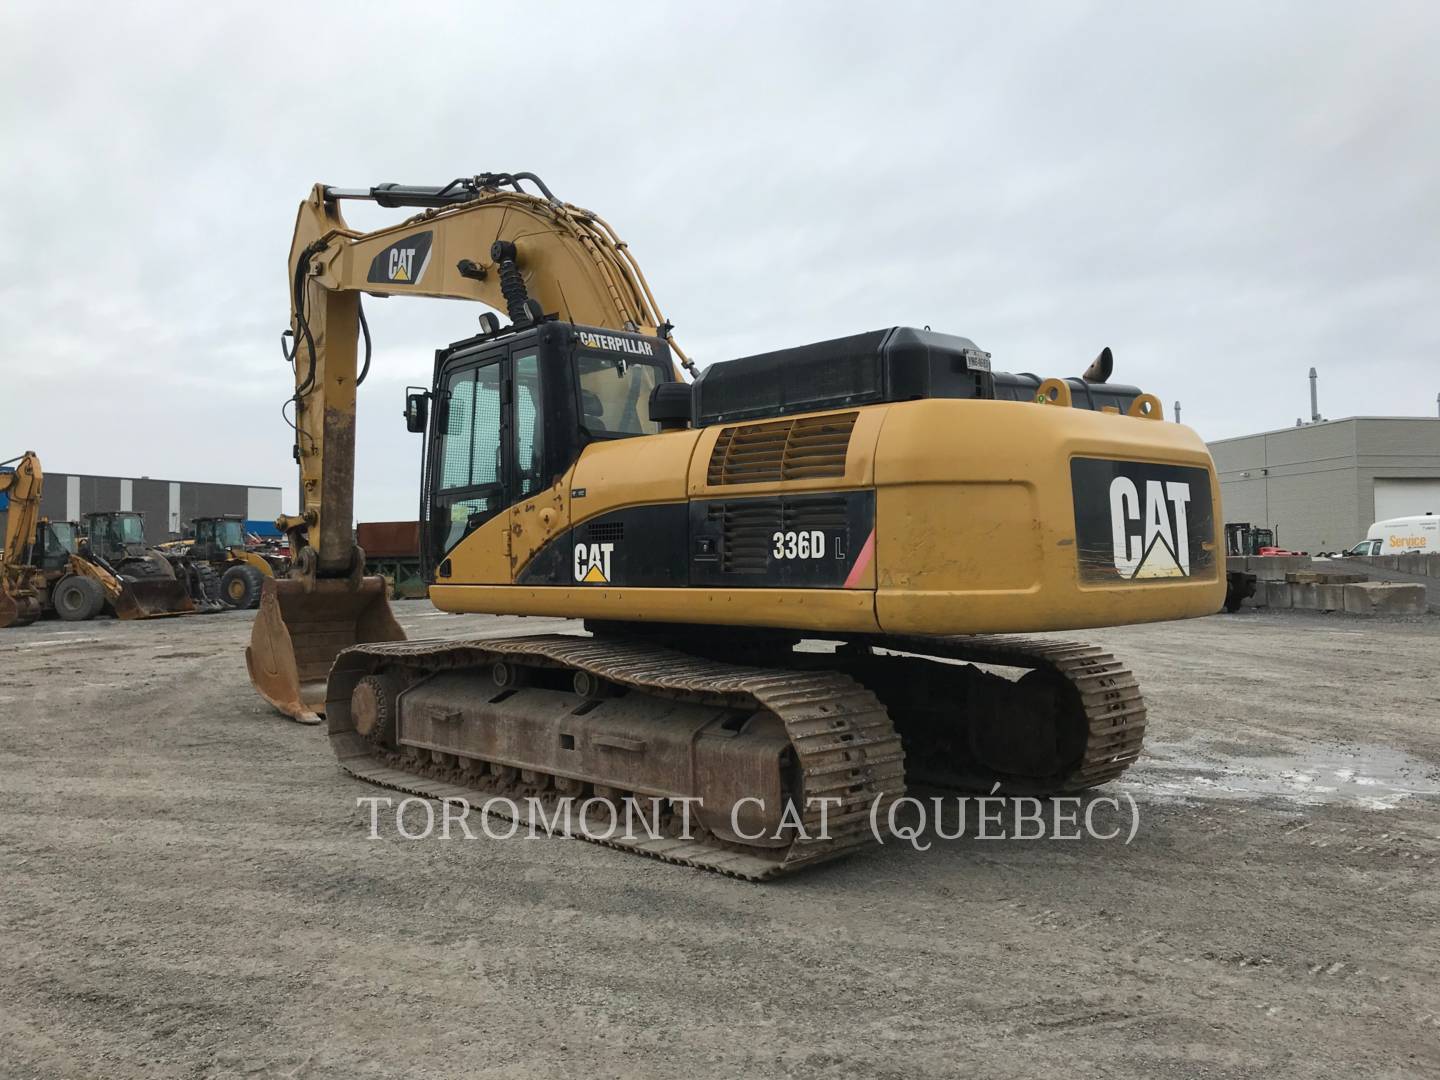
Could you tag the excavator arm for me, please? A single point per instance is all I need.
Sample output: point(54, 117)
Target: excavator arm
point(480, 238)
point(20, 582)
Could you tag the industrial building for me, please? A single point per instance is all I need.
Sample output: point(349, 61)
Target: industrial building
point(1321, 485)
point(167, 504)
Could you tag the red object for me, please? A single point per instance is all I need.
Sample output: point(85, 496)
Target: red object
point(389, 539)
point(1280, 551)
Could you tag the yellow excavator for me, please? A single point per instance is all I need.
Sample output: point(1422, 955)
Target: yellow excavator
point(797, 570)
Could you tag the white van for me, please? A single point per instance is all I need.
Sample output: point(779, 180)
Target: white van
point(1404, 535)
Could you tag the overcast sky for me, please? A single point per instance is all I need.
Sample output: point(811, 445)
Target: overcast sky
point(1224, 197)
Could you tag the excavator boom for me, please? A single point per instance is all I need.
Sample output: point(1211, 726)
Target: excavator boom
point(462, 245)
point(21, 585)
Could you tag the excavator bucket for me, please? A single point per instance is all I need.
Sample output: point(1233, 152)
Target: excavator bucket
point(298, 633)
point(152, 598)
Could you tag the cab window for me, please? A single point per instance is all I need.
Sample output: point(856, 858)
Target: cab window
point(469, 457)
point(470, 454)
point(529, 426)
point(615, 394)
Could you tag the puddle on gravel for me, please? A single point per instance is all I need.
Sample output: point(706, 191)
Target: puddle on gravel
point(1372, 777)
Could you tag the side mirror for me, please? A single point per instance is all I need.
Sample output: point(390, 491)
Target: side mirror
point(417, 409)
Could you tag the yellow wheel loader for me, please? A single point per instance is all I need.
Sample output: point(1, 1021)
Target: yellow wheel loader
point(46, 568)
point(797, 570)
point(154, 582)
point(219, 542)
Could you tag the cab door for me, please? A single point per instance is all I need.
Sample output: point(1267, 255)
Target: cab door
point(540, 510)
point(490, 503)
point(466, 482)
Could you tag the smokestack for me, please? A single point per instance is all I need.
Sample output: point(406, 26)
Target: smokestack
point(1177, 412)
point(1314, 397)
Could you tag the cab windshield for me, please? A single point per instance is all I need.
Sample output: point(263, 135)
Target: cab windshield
point(615, 394)
point(129, 530)
point(62, 537)
point(229, 534)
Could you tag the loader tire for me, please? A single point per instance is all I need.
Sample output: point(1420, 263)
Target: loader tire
point(240, 587)
point(77, 598)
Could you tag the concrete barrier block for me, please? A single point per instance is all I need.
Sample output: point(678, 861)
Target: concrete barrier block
point(1275, 567)
point(1379, 598)
point(1330, 597)
point(1303, 595)
point(1277, 593)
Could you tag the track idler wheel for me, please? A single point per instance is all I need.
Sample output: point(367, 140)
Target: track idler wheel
point(374, 708)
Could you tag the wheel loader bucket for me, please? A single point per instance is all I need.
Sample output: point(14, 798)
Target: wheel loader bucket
point(298, 633)
point(152, 598)
point(18, 610)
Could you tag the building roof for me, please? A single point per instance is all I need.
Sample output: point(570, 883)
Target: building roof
point(49, 472)
point(1322, 423)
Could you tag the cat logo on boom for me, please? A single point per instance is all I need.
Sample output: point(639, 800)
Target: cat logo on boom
point(403, 262)
point(592, 563)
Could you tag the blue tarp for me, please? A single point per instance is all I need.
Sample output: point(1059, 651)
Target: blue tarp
point(263, 529)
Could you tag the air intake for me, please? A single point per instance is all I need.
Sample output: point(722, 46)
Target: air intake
point(812, 447)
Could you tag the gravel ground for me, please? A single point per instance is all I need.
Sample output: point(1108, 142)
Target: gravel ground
point(190, 891)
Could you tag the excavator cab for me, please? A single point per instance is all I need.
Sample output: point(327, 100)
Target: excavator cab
point(512, 411)
point(507, 412)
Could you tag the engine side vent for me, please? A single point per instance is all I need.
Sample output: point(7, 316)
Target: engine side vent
point(748, 526)
point(808, 448)
point(605, 532)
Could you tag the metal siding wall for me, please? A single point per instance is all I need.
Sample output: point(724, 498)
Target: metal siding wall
point(99, 493)
point(52, 499)
point(1244, 500)
point(1303, 482)
point(1416, 440)
point(1237, 455)
point(1314, 511)
point(262, 504)
point(218, 499)
point(152, 498)
point(211, 500)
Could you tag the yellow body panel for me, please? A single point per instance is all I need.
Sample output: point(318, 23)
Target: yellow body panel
point(244, 555)
point(975, 520)
point(803, 609)
point(974, 527)
point(634, 472)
